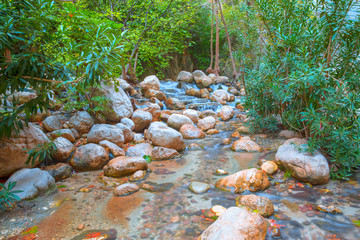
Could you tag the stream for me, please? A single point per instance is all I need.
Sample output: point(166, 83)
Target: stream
point(171, 210)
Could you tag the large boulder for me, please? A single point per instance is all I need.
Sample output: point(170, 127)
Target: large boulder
point(176, 121)
point(303, 165)
point(122, 166)
point(65, 133)
point(262, 205)
point(22, 97)
point(236, 224)
point(245, 144)
point(139, 150)
point(31, 182)
point(185, 77)
point(89, 157)
point(221, 96)
point(164, 136)
point(124, 85)
point(206, 123)
point(81, 121)
point(150, 82)
point(249, 179)
point(128, 122)
point(208, 113)
point(59, 171)
point(117, 104)
point(174, 104)
point(64, 148)
point(141, 119)
point(190, 131)
point(128, 134)
point(226, 113)
point(52, 123)
point(125, 189)
point(149, 93)
point(12, 151)
point(100, 132)
point(113, 148)
point(162, 153)
point(201, 80)
point(289, 134)
point(192, 114)
point(193, 92)
point(204, 93)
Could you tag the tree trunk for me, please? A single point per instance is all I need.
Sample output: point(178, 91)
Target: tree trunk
point(217, 50)
point(210, 69)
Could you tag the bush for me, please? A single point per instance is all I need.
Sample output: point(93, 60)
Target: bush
point(308, 76)
point(8, 197)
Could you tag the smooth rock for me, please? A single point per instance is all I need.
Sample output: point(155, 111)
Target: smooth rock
point(269, 167)
point(113, 148)
point(198, 187)
point(89, 157)
point(122, 166)
point(289, 134)
point(212, 131)
point(151, 82)
point(190, 131)
point(226, 113)
point(127, 133)
point(192, 114)
point(126, 189)
point(263, 205)
point(81, 121)
point(305, 166)
point(245, 144)
point(128, 122)
point(139, 150)
point(164, 136)
point(141, 119)
point(176, 121)
point(174, 104)
point(138, 175)
point(52, 123)
point(138, 138)
point(64, 148)
point(249, 179)
point(204, 93)
point(206, 123)
point(59, 171)
point(100, 132)
point(31, 182)
point(162, 153)
point(208, 113)
point(236, 224)
point(185, 77)
point(65, 133)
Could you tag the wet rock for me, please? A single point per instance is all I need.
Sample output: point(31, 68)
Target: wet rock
point(185, 77)
point(192, 114)
point(218, 210)
point(199, 187)
point(208, 113)
point(122, 166)
point(80, 227)
point(226, 113)
point(128, 122)
point(118, 104)
point(12, 154)
point(190, 131)
point(65, 133)
point(154, 109)
point(221, 96)
point(126, 189)
point(124, 85)
point(164, 136)
point(52, 123)
point(151, 82)
point(263, 205)
point(269, 167)
point(226, 141)
point(243, 129)
point(289, 134)
point(89, 157)
point(240, 107)
point(22, 97)
point(222, 80)
point(138, 175)
point(236, 223)
point(330, 209)
point(303, 165)
point(59, 171)
point(174, 104)
point(81, 121)
point(245, 144)
point(100, 132)
point(176, 121)
point(110, 234)
point(193, 92)
point(249, 179)
point(195, 146)
point(162, 153)
point(127, 133)
point(150, 93)
point(139, 150)
point(64, 148)
point(206, 123)
point(31, 182)
point(141, 119)
point(39, 116)
point(201, 80)
point(212, 131)
point(233, 90)
point(220, 172)
point(138, 138)
point(236, 135)
point(113, 148)
point(204, 93)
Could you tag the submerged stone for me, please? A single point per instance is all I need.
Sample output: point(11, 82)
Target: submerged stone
point(198, 187)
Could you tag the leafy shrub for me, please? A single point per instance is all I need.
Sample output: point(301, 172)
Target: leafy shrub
point(8, 197)
point(40, 153)
point(308, 75)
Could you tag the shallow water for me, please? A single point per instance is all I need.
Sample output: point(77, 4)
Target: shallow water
point(171, 211)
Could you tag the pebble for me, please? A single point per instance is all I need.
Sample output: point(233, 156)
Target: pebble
point(80, 227)
point(198, 187)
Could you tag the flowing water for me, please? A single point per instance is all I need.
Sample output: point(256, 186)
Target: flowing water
point(171, 211)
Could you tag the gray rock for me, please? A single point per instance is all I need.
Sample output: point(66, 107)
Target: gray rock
point(185, 77)
point(128, 134)
point(81, 121)
point(199, 187)
point(176, 121)
point(32, 182)
point(122, 166)
point(141, 119)
point(59, 171)
point(64, 148)
point(52, 123)
point(138, 138)
point(100, 132)
point(162, 153)
point(150, 82)
point(303, 165)
point(113, 148)
point(65, 133)
point(12, 154)
point(118, 104)
point(164, 136)
point(206, 123)
point(128, 122)
point(289, 134)
point(126, 189)
point(226, 113)
point(89, 157)
point(139, 150)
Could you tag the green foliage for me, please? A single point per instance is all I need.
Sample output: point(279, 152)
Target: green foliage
point(287, 174)
point(307, 75)
point(147, 158)
point(40, 153)
point(8, 196)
